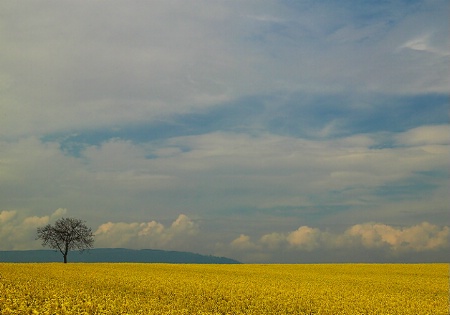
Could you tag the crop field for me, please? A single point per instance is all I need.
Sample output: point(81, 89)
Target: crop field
point(107, 288)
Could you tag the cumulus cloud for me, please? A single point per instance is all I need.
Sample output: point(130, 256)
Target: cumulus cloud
point(58, 213)
point(305, 238)
point(150, 234)
point(273, 240)
point(243, 243)
point(183, 225)
point(6, 215)
point(421, 237)
point(418, 238)
point(18, 231)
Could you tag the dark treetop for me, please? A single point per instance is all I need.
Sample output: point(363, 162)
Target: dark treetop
point(67, 234)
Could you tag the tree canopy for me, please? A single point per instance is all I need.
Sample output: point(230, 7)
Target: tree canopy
point(65, 235)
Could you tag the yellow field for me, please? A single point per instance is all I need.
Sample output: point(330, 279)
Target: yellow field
point(77, 288)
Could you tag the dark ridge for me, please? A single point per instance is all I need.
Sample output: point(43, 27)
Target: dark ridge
point(114, 255)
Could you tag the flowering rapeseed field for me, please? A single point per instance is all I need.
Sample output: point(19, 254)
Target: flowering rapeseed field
point(77, 288)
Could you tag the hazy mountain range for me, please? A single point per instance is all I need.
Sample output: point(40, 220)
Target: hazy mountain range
point(114, 255)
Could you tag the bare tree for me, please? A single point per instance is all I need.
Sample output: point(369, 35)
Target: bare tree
point(67, 234)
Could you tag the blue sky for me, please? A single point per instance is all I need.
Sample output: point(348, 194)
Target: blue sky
point(265, 131)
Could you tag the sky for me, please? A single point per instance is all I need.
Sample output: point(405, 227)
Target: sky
point(268, 131)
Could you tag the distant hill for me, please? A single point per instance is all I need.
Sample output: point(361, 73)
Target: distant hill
point(114, 255)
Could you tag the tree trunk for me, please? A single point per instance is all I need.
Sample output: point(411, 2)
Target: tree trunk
point(66, 251)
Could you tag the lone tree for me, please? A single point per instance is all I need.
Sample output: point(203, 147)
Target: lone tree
point(67, 234)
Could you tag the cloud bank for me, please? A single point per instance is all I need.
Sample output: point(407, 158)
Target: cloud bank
point(146, 234)
point(374, 239)
point(422, 237)
point(18, 232)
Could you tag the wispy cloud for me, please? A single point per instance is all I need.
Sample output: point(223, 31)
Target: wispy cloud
point(229, 170)
point(425, 135)
point(129, 63)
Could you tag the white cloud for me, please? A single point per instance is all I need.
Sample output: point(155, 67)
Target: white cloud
point(423, 43)
point(58, 213)
point(425, 135)
point(150, 234)
point(421, 237)
point(305, 238)
point(418, 238)
point(243, 243)
point(420, 43)
point(7, 215)
point(183, 225)
point(273, 240)
point(18, 231)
